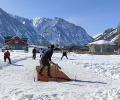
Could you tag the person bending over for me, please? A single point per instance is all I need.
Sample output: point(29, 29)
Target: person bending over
point(45, 60)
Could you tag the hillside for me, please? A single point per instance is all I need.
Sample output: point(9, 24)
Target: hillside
point(42, 30)
point(109, 34)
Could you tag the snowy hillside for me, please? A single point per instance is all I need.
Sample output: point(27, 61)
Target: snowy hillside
point(59, 31)
point(42, 30)
point(93, 79)
point(109, 34)
point(10, 26)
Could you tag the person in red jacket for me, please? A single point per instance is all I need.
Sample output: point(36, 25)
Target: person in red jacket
point(7, 56)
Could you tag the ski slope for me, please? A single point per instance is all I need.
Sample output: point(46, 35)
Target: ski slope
point(97, 77)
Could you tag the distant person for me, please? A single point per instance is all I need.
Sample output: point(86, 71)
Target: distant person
point(41, 51)
point(46, 60)
point(34, 53)
point(7, 56)
point(64, 53)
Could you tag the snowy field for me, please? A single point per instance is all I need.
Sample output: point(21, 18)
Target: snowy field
point(94, 78)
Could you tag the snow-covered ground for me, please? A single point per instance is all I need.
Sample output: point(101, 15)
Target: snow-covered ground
point(95, 77)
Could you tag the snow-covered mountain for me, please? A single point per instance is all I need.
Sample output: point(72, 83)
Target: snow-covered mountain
point(42, 30)
point(10, 26)
point(109, 34)
point(59, 31)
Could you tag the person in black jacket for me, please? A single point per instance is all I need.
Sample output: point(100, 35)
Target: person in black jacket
point(46, 59)
point(64, 54)
point(34, 53)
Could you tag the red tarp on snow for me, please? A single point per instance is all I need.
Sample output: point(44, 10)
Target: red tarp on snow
point(56, 75)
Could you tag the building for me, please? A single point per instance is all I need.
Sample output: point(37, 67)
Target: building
point(16, 43)
point(101, 47)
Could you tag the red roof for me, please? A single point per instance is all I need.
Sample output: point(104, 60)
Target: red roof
point(16, 40)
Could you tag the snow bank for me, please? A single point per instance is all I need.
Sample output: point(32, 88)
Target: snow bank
point(111, 94)
point(94, 78)
point(106, 69)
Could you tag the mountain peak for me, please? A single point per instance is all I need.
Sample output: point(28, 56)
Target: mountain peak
point(61, 32)
point(37, 21)
point(1, 9)
point(59, 19)
point(42, 30)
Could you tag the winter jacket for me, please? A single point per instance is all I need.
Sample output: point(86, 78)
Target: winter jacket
point(7, 54)
point(34, 51)
point(47, 57)
point(64, 53)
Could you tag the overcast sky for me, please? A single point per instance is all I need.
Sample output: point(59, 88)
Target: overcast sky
point(93, 15)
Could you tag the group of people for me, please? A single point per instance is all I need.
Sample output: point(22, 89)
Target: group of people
point(45, 60)
point(34, 51)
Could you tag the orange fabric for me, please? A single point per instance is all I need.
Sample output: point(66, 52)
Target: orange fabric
point(56, 75)
point(7, 54)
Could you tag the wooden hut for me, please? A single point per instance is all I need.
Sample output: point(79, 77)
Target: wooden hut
point(16, 43)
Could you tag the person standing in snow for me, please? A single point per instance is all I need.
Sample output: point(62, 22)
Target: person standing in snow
point(7, 56)
point(34, 53)
point(46, 60)
point(64, 54)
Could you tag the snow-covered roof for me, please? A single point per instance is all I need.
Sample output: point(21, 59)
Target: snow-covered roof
point(99, 42)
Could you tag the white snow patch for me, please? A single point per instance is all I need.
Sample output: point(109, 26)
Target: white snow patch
point(23, 22)
point(37, 21)
point(96, 78)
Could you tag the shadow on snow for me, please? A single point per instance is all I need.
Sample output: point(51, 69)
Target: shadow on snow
point(89, 81)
